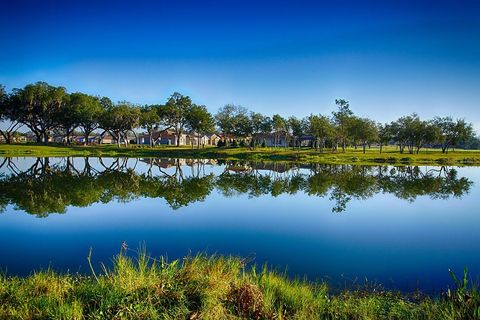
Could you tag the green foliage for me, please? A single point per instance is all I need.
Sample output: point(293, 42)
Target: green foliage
point(150, 119)
point(321, 129)
point(234, 120)
point(199, 120)
point(119, 119)
point(38, 107)
point(175, 113)
point(86, 111)
point(451, 133)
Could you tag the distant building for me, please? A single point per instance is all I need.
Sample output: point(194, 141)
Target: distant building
point(169, 137)
point(273, 139)
point(307, 141)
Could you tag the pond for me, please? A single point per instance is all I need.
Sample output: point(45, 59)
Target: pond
point(403, 227)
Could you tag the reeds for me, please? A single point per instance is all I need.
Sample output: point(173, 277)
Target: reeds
point(213, 287)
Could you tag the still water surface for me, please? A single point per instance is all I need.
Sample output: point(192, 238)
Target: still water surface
point(401, 226)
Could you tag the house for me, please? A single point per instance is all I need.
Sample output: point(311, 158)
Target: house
point(169, 137)
point(279, 139)
point(212, 139)
point(106, 139)
point(31, 137)
point(81, 139)
point(307, 141)
point(15, 137)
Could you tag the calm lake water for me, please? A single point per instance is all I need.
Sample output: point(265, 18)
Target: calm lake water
point(401, 226)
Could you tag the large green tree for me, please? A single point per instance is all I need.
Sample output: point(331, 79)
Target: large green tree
point(260, 124)
point(367, 132)
point(150, 119)
point(280, 129)
point(67, 120)
point(8, 115)
point(413, 133)
point(38, 106)
point(452, 132)
point(296, 129)
point(342, 118)
point(174, 113)
point(200, 121)
point(256, 121)
point(88, 111)
point(322, 129)
point(120, 119)
point(233, 120)
point(385, 135)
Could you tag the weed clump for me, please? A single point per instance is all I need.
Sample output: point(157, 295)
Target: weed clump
point(214, 287)
point(246, 301)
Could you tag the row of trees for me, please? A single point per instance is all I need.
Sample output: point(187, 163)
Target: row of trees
point(343, 128)
point(46, 109)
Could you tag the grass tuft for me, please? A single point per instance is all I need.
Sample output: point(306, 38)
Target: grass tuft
point(215, 287)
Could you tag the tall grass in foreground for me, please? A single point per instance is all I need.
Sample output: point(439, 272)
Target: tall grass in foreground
point(213, 287)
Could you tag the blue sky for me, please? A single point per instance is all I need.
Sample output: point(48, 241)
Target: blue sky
point(389, 58)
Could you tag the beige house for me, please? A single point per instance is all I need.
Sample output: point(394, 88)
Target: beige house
point(169, 137)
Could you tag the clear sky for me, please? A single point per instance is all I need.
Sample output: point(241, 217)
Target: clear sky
point(389, 58)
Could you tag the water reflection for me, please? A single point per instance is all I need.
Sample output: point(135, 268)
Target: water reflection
point(41, 186)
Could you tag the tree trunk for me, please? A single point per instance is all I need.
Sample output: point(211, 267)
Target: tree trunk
point(7, 135)
point(117, 137)
point(85, 142)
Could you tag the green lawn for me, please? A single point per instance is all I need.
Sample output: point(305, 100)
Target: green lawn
point(390, 155)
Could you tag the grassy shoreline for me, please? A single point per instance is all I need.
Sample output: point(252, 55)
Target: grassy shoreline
point(351, 156)
point(212, 287)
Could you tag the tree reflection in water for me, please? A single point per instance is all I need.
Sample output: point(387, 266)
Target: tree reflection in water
point(48, 186)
